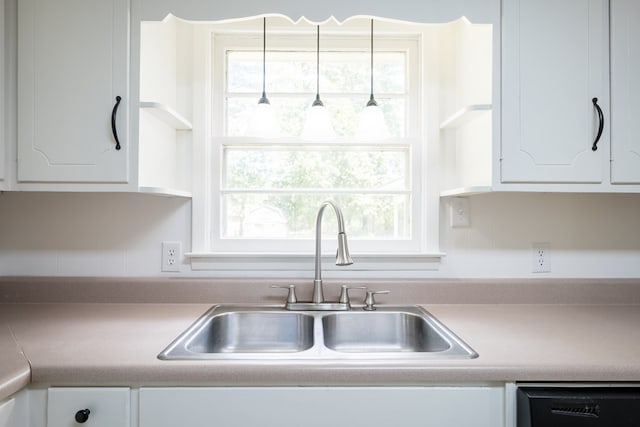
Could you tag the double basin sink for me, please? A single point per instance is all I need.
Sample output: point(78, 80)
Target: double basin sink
point(227, 332)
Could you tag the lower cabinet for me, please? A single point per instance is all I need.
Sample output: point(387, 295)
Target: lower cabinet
point(321, 406)
point(454, 406)
point(15, 411)
point(6, 411)
point(94, 407)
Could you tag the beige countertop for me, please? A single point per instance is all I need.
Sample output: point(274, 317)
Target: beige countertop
point(48, 342)
point(15, 373)
point(85, 344)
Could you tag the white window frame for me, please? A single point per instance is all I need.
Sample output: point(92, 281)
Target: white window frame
point(235, 260)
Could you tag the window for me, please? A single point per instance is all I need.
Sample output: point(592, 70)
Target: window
point(264, 193)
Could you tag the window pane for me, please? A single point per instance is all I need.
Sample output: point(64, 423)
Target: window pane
point(349, 72)
point(295, 72)
point(344, 112)
point(272, 189)
point(317, 167)
point(289, 111)
point(286, 72)
point(291, 87)
point(264, 215)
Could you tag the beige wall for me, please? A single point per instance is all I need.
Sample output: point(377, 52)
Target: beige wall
point(88, 234)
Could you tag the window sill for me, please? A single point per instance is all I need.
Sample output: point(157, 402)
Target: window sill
point(301, 265)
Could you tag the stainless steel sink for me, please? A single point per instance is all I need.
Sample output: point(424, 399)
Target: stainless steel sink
point(269, 332)
point(253, 332)
point(366, 332)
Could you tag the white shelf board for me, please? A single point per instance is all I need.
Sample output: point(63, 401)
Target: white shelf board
point(161, 191)
point(466, 191)
point(167, 115)
point(464, 115)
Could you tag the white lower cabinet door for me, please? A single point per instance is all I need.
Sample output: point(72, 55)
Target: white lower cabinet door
point(93, 407)
point(6, 410)
point(316, 407)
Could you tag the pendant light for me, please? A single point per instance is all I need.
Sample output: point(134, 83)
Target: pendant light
point(318, 122)
point(372, 123)
point(263, 122)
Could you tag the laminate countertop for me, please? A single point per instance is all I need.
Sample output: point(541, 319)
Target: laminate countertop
point(109, 344)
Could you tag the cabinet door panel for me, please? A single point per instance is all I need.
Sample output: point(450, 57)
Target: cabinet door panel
point(625, 91)
point(109, 407)
point(319, 407)
point(3, 143)
point(73, 59)
point(6, 409)
point(554, 63)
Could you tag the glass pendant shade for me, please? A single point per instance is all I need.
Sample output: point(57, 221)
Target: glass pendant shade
point(264, 121)
point(317, 122)
point(371, 122)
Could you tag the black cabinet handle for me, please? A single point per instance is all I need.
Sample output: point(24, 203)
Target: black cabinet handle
point(82, 416)
point(601, 123)
point(113, 122)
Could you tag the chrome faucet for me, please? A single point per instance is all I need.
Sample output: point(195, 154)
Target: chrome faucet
point(342, 258)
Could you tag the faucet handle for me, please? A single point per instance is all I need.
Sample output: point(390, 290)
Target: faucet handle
point(370, 301)
point(344, 293)
point(291, 296)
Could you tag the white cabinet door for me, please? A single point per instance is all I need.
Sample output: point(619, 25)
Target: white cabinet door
point(321, 407)
point(555, 62)
point(3, 143)
point(21, 410)
point(625, 91)
point(6, 411)
point(102, 407)
point(72, 64)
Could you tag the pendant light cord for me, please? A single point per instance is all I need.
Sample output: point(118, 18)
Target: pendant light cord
point(372, 101)
point(371, 66)
point(264, 99)
point(317, 101)
point(318, 60)
point(264, 54)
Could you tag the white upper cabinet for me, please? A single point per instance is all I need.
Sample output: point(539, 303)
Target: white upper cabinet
point(625, 91)
point(73, 64)
point(555, 62)
point(3, 144)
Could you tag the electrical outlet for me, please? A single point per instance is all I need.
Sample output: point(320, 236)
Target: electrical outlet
point(541, 255)
point(171, 256)
point(459, 211)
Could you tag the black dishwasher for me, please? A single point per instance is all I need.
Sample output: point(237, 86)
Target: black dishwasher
point(578, 406)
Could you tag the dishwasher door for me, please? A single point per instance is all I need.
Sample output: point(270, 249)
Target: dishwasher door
point(578, 407)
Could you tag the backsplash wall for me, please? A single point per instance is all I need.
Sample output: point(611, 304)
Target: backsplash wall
point(108, 234)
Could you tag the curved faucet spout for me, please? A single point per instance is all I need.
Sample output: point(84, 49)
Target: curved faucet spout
point(342, 256)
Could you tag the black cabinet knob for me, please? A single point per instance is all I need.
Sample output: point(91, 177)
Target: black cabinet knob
point(82, 416)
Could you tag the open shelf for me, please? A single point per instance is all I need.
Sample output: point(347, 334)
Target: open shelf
point(466, 191)
point(167, 115)
point(464, 115)
point(168, 192)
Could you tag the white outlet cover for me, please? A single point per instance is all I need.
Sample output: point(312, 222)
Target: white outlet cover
point(541, 257)
point(459, 212)
point(171, 256)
